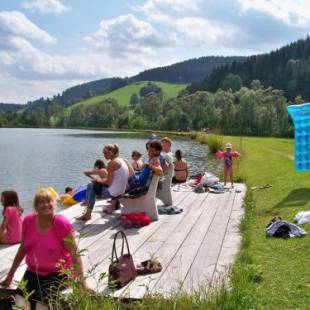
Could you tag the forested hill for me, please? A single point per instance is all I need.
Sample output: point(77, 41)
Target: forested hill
point(287, 68)
point(87, 90)
point(188, 71)
point(10, 107)
point(183, 72)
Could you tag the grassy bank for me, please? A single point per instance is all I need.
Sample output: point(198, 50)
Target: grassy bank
point(278, 269)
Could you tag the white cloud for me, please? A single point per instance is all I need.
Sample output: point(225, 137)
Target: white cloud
point(160, 32)
point(126, 35)
point(187, 22)
point(39, 75)
point(16, 24)
point(202, 31)
point(21, 90)
point(46, 6)
point(292, 12)
point(162, 10)
point(121, 47)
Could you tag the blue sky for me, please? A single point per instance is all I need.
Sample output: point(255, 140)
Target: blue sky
point(47, 46)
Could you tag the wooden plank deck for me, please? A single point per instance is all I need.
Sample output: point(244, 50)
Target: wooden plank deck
point(196, 247)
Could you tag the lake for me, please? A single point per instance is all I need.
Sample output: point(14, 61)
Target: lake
point(30, 158)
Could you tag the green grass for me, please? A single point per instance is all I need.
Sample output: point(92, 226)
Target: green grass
point(123, 94)
point(282, 265)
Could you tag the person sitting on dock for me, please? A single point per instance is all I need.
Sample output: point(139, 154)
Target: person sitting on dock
point(99, 172)
point(137, 163)
point(114, 184)
point(11, 226)
point(141, 179)
point(167, 154)
point(180, 168)
point(49, 247)
point(163, 163)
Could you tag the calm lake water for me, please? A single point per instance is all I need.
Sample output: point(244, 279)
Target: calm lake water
point(30, 158)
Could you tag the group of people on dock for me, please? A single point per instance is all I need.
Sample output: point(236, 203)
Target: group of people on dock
point(121, 175)
point(47, 239)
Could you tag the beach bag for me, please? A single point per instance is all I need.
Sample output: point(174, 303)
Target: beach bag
point(122, 269)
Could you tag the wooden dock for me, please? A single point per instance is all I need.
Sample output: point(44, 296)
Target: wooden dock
point(196, 247)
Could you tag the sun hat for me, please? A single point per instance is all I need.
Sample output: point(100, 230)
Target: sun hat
point(228, 146)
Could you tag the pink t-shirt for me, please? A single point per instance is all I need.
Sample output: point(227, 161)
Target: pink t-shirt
point(45, 254)
point(13, 231)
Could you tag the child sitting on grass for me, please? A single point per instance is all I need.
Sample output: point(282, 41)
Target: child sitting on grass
point(11, 226)
point(228, 156)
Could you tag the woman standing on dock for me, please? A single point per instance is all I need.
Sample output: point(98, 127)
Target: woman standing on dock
point(49, 246)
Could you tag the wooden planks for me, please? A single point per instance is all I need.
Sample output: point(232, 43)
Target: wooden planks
point(196, 247)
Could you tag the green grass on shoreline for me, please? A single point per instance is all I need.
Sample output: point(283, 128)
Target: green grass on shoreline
point(277, 269)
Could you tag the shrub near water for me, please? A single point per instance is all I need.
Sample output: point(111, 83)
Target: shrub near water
point(214, 143)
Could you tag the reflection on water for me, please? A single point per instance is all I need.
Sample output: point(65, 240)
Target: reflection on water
point(30, 158)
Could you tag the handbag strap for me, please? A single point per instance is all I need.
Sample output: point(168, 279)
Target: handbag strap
point(124, 239)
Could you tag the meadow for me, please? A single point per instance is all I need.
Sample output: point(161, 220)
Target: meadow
point(123, 94)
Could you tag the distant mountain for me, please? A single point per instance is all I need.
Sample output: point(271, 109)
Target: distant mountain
point(87, 90)
point(287, 68)
point(182, 72)
point(10, 107)
point(187, 71)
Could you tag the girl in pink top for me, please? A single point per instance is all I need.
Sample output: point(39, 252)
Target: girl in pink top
point(11, 226)
point(48, 245)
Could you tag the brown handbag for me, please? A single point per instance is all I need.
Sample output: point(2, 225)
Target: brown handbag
point(122, 269)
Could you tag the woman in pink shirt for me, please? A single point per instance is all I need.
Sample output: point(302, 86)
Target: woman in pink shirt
point(11, 226)
point(49, 246)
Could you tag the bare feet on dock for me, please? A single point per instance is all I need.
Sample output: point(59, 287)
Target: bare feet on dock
point(108, 209)
point(86, 216)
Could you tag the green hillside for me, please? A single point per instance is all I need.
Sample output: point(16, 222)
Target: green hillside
point(122, 95)
point(287, 68)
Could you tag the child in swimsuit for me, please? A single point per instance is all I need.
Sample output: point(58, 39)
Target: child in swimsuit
point(228, 156)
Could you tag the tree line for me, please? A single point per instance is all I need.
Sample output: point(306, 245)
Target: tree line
point(287, 68)
point(253, 110)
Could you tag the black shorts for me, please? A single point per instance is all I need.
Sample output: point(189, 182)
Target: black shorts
point(44, 288)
